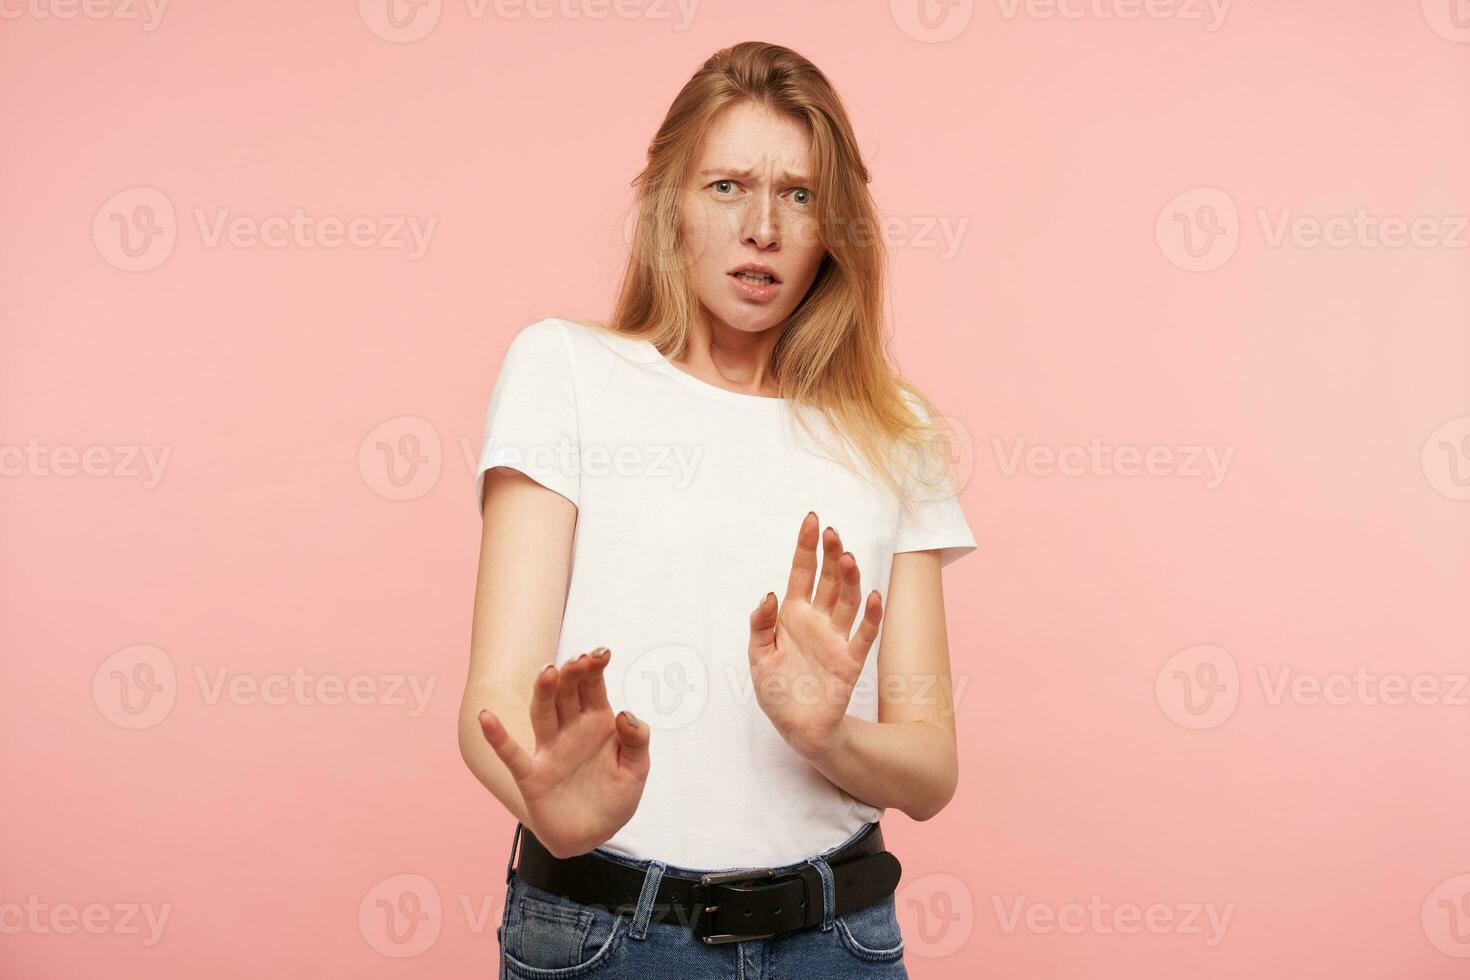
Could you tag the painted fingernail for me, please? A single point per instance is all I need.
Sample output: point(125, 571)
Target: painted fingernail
point(581, 657)
point(601, 652)
point(550, 666)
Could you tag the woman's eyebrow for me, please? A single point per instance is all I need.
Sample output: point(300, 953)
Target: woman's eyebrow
point(786, 176)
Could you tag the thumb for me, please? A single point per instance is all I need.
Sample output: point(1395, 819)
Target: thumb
point(763, 626)
point(633, 739)
point(505, 745)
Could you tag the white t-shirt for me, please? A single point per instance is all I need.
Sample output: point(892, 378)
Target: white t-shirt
point(689, 499)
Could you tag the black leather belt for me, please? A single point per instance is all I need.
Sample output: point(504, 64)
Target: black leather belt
point(721, 906)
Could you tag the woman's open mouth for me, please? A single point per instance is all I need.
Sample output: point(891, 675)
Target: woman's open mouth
point(755, 285)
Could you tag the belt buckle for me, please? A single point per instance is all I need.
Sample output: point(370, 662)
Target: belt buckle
point(707, 882)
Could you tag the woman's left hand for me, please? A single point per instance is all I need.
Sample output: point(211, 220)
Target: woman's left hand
point(802, 662)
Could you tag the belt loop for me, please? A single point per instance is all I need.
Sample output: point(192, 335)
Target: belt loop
point(829, 900)
point(646, 896)
point(514, 842)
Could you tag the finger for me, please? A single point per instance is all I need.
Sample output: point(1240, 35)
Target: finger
point(763, 624)
point(505, 746)
point(593, 694)
point(867, 631)
point(804, 562)
point(568, 702)
point(543, 706)
point(828, 583)
point(633, 737)
point(845, 611)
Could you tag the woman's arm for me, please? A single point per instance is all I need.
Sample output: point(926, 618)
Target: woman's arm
point(908, 758)
point(520, 594)
point(541, 737)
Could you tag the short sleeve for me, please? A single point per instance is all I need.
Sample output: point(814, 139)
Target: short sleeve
point(531, 422)
point(934, 520)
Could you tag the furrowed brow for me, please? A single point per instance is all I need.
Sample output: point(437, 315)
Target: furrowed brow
point(746, 174)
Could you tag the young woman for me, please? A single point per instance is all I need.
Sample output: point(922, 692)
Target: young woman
point(734, 437)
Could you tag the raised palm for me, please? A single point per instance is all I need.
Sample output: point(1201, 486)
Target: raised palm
point(803, 663)
point(586, 775)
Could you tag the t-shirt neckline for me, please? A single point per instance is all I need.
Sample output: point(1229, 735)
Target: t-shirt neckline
point(698, 384)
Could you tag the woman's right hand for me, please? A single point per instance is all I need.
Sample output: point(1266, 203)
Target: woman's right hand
point(585, 778)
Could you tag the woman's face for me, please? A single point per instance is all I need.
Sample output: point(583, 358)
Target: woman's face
point(749, 202)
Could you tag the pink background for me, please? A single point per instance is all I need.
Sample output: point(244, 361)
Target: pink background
point(1120, 639)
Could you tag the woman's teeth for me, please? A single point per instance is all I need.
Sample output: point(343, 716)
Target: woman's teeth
point(759, 278)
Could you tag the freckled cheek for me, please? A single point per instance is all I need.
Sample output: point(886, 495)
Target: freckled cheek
point(702, 235)
point(805, 233)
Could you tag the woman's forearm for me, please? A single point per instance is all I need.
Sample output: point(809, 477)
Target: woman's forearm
point(909, 765)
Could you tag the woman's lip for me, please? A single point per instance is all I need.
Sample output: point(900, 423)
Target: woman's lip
point(773, 276)
point(751, 291)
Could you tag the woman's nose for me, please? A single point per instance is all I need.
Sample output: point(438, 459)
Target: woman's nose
point(760, 224)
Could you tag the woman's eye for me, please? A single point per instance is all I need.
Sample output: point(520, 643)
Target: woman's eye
point(721, 185)
point(802, 195)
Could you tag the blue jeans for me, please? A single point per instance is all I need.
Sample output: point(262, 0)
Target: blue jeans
point(547, 937)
